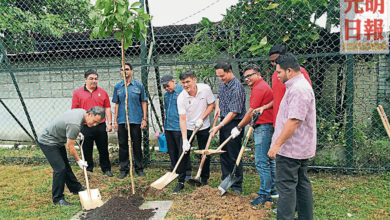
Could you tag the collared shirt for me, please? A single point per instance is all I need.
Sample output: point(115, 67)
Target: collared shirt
point(261, 94)
point(172, 120)
point(194, 107)
point(83, 98)
point(298, 103)
point(278, 89)
point(232, 98)
point(136, 95)
point(66, 126)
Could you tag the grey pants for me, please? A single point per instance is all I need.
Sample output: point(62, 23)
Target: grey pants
point(294, 187)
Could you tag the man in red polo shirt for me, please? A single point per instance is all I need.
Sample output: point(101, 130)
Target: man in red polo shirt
point(86, 97)
point(261, 94)
point(278, 88)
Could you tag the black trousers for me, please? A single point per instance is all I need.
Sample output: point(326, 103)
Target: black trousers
point(62, 172)
point(232, 148)
point(136, 137)
point(99, 135)
point(294, 187)
point(201, 137)
point(174, 144)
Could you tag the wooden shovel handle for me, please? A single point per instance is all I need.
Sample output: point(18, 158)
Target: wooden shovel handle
point(207, 147)
point(84, 169)
point(182, 154)
point(244, 145)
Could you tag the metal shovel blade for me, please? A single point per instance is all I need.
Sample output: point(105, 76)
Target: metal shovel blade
point(92, 200)
point(194, 182)
point(164, 180)
point(227, 183)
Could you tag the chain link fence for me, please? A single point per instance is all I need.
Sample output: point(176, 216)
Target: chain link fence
point(47, 47)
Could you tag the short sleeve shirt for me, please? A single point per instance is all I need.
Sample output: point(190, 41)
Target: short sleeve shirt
point(261, 94)
point(298, 103)
point(278, 89)
point(194, 107)
point(136, 95)
point(83, 98)
point(232, 98)
point(172, 120)
point(66, 126)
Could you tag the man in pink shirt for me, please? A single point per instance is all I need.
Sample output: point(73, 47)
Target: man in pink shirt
point(294, 141)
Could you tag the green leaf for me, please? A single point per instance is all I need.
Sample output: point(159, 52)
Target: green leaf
point(271, 6)
point(285, 38)
point(118, 35)
point(263, 41)
point(136, 5)
point(121, 9)
point(254, 47)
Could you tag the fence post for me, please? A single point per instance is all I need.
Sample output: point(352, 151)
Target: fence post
point(349, 110)
point(144, 77)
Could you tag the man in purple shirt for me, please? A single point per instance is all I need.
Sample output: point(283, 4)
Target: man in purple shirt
point(294, 141)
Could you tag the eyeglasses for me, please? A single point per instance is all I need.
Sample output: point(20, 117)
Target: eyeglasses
point(126, 69)
point(165, 85)
point(249, 75)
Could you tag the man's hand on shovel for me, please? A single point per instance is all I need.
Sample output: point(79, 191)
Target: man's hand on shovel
point(82, 164)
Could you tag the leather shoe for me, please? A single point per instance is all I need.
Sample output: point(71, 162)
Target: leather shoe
point(122, 175)
point(81, 189)
point(141, 173)
point(62, 202)
point(108, 173)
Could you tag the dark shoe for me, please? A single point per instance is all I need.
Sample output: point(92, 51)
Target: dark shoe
point(63, 202)
point(261, 199)
point(204, 183)
point(179, 187)
point(187, 178)
point(81, 189)
point(108, 173)
point(237, 191)
point(141, 173)
point(90, 171)
point(122, 175)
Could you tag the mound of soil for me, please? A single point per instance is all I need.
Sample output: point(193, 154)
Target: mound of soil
point(121, 208)
point(207, 203)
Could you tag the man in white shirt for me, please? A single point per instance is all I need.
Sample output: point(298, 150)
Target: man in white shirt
point(195, 103)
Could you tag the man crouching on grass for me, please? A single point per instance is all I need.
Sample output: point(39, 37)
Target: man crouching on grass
point(64, 131)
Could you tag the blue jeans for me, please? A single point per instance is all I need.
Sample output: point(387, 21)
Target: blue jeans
point(265, 165)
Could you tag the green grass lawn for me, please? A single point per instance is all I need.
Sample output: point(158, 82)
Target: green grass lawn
point(25, 192)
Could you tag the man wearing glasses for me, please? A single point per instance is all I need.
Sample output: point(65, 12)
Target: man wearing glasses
point(137, 107)
point(261, 94)
point(86, 97)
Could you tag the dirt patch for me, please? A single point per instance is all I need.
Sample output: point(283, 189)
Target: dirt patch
point(206, 202)
point(120, 208)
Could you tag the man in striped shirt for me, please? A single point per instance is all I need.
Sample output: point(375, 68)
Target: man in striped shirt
point(294, 141)
point(230, 105)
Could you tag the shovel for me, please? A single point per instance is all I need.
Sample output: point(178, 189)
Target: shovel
point(170, 176)
point(90, 198)
point(196, 181)
point(214, 151)
point(232, 178)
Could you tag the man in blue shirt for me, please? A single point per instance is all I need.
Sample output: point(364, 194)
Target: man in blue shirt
point(231, 108)
point(172, 125)
point(137, 107)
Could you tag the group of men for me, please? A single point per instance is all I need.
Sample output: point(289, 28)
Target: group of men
point(91, 116)
point(285, 130)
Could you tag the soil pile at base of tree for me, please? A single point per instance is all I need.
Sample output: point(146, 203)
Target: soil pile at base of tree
point(120, 208)
point(207, 203)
